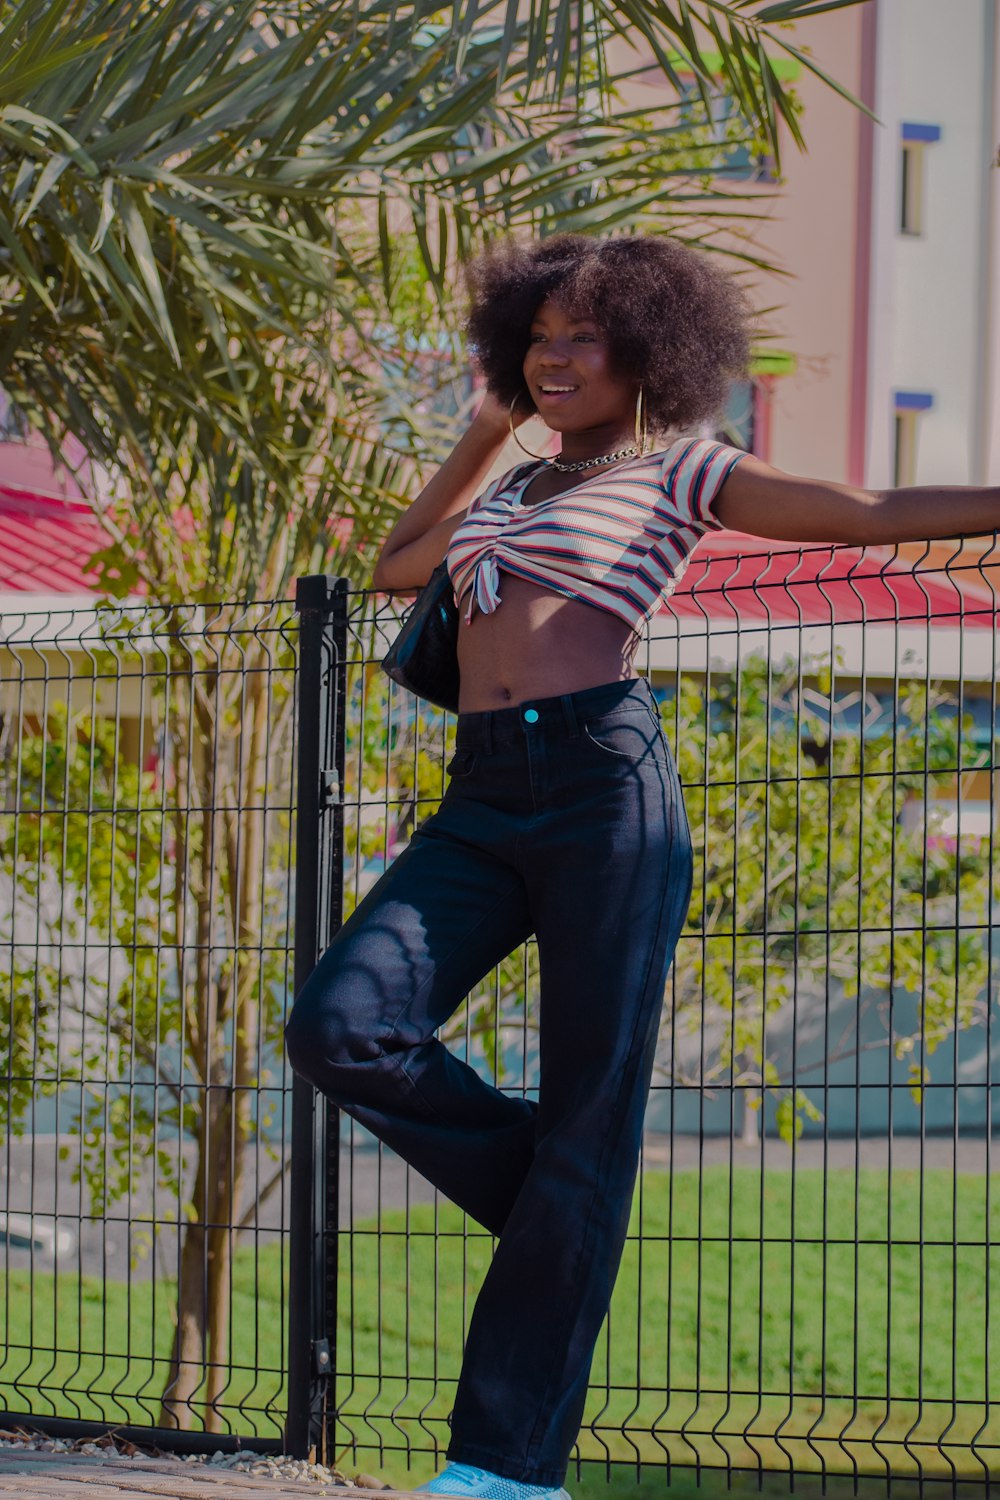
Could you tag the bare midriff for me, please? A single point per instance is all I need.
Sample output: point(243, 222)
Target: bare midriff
point(537, 644)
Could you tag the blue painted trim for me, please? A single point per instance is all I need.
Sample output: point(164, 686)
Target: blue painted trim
point(921, 132)
point(913, 400)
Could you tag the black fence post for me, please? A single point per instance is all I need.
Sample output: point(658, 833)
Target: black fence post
point(321, 603)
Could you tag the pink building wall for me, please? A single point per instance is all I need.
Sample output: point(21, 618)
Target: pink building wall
point(807, 226)
point(810, 230)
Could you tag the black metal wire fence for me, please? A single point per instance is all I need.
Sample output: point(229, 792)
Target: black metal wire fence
point(145, 916)
point(810, 1280)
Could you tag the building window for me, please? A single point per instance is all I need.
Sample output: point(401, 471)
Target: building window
point(739, 423)
point(904, 463)
point(723, 141)
point(13, 423)
point(909, 405)
point(746, 422)
point(740, 158)
point(913, 169)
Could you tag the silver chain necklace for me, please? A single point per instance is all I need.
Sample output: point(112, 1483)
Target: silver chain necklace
point(589, 463)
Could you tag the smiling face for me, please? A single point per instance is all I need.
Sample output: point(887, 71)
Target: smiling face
point(569, 374)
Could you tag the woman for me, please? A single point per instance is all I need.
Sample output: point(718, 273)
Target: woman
point(563, 816)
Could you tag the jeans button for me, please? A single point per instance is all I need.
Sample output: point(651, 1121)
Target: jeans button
point(531, 715)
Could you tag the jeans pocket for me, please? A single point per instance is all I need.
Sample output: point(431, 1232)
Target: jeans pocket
point(462, 764)
point(629, 736)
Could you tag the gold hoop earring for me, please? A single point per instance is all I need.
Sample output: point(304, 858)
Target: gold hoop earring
point(641, 432)
point(541, 457)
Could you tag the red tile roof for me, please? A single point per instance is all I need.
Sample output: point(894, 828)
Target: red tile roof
point(783, 583)
point(46, 544)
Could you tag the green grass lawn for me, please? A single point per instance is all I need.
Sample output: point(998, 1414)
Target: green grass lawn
point(745, 1322)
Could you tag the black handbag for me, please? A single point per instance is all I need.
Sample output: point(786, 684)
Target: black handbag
point(424, 656)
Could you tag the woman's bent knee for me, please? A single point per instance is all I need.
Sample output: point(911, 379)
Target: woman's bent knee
point(327, 1043)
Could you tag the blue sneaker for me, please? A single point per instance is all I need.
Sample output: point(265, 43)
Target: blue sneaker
point(467, 1483)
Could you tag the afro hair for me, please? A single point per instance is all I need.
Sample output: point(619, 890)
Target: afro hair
point(675, 323)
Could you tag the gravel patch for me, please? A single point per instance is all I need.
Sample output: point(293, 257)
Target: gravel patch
point(263, 1465)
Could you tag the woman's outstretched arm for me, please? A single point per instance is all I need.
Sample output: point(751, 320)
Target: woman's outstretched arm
point(419, 539)
point(764, 501)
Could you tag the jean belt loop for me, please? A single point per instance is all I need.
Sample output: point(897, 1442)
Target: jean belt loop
point(488, 732)
point(570, 714)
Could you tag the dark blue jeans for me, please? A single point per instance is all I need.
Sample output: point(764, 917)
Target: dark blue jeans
point(563, 818)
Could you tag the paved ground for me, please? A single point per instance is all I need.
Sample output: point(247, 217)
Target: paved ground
point(60, 1475)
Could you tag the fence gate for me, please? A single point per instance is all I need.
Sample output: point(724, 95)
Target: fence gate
point(160, 1278)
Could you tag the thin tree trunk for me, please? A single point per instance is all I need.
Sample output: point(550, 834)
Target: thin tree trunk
point(245, 854)
point(233, 799)
point(187, 1356)
point(186, 1372)
point(225, 1149)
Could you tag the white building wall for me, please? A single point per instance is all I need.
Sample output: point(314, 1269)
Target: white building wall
point(928, 330)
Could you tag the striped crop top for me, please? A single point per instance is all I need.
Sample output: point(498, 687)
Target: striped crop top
point(618, 540)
